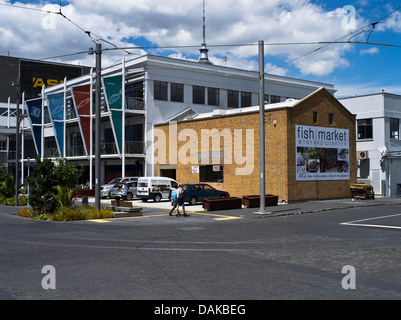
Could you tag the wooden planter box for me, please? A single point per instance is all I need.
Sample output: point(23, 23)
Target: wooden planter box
point(213, 204)
point(86, 192)
point(253, 201)
point(121, 203)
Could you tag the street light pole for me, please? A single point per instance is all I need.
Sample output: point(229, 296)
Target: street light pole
point(17, 144)
point(97, 124)
point(262, 126)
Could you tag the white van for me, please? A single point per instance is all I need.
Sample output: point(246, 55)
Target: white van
point(156, 188)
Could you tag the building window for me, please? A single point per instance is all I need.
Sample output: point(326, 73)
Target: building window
point(314, 117)
point(134, 96)
point(246, 99)
point(232, 98)
point(3, 145)
point(177, 92)
point(394, 128)
point(331, 119)
point(161, 90)
point(213, 97)
point(211, 173)
point(198, 95)
point(365, 129)
point(274, 99)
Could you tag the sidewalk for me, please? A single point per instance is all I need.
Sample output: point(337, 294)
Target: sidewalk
point(275, 211)
point(326, 205)
point(281, 209)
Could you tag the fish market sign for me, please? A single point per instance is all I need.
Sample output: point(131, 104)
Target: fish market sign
point(321, 153)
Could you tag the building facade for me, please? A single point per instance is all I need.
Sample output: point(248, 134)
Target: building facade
point(28, 77)
point(310, 149)
point(378, 119)
point(136, 94)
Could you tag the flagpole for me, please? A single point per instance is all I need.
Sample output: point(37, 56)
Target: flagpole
point(64, 155)
point(42, 138)
point(97, 125)
point(91, 133)
point(123, 117)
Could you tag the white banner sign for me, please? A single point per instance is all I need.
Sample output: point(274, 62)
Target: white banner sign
point(321, 153)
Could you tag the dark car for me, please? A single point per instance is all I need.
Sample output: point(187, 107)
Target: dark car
point(195, 193)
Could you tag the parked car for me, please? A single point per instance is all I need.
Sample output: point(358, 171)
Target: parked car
point(131, 193)
point(195, 193)
point(106, 188)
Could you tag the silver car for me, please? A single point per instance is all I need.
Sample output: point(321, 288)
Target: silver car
point(105, 189)
point(131, 193)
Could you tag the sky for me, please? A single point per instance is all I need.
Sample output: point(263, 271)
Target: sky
point(291, 29)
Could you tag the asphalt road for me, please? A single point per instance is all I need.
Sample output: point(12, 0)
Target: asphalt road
point(207, 256)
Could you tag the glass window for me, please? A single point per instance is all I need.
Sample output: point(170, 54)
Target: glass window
point(233, 101)
point(394, 128)
point(314, 117)
point(160, 90)
point(274, 99)
point(211, 173)
point(246, 99)
point(365, 129)
point(198, 94)
point(330, 119)
point(213, 97)
point(177, 92)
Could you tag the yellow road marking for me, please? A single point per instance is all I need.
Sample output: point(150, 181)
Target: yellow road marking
point(218, 217)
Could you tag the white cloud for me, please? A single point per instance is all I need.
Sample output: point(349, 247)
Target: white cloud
point(373, 50)
point(179, 23)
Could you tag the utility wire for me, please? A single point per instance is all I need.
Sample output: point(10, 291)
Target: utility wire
point(373, 24)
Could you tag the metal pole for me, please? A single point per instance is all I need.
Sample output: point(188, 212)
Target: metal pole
point(97, 124)
point(17, 144)
point(262, 125)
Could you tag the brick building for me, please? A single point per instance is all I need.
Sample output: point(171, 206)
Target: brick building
point(310, 149)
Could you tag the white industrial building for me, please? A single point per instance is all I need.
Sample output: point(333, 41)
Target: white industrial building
point(378, 140)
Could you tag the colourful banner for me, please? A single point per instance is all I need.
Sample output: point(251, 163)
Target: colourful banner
point(56, 107)
point(34, 108)
point(113, 94)
point(82, 98)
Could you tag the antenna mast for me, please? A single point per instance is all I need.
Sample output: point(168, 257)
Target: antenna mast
point(204, 50)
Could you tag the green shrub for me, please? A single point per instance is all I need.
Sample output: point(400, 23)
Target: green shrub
point(68, 214)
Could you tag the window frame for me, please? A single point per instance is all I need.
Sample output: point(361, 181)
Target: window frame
point(395, 124)
point(213, 97)
point(365, 126)
point(233, 98)
point(198, 94)
point(177, 92)
point(208, 175)
point(160, 90)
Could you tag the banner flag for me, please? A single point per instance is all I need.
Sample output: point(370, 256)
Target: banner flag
point(82, 97)
point(113, 93)
point(34, 110)
point(56, 107)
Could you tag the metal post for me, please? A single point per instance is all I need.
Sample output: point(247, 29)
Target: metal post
point(97, 124)
point(17, 144)
point(262, 125)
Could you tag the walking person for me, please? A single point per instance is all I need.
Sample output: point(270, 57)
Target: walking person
point(180, 199)
point(124, 189)
point(174, 202)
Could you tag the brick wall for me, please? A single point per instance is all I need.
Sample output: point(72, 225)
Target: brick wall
point(280, 149)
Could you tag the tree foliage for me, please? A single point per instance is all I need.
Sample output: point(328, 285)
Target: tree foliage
point(47, 175)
